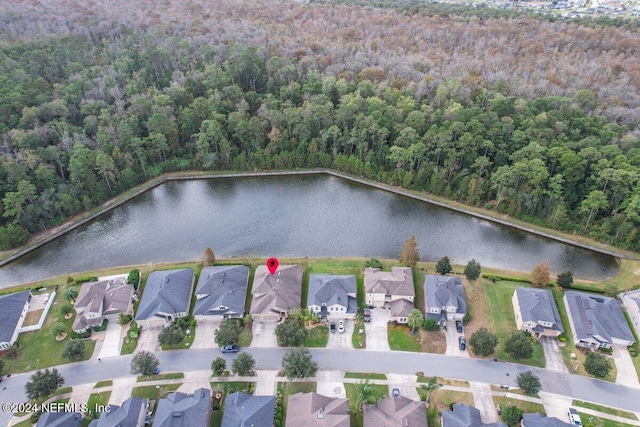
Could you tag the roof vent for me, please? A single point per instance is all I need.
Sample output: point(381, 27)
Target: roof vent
point(321, 414)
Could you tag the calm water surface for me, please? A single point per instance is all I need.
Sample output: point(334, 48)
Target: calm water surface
point(290, 216)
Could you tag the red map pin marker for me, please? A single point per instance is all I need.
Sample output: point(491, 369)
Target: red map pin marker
point(272, 265)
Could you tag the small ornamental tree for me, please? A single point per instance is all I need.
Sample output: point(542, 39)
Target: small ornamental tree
point(431, 324)
point(483, 343)
point(144, 363)
point(540, 275)
point(443, 266)
point(43, 383)
point(66, 309)
point(243, 364)
point(290, 333)
point(472, 270)
point(528, 382)
point(134, 278)
point(74, 351)
point(409, 255)
point(597, 365)
point(298, 363)
point(511, 415)
point(228, 332)
point(218, 366)
point(171, 336)
point(565, 280)
point(374, 263)
point(519, 346)
point(209, 258)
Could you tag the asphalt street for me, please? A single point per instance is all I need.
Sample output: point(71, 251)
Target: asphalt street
point(576, 386)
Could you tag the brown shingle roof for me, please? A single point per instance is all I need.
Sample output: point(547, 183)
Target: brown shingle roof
point(316, 410)
point(396, 412)
point(279, 292)
point(398, 281)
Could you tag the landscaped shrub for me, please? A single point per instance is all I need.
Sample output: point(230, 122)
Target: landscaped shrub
point(562, 337)
point(86, 279)
point(496, 277)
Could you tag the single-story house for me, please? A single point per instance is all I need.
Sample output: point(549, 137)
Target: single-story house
point(631, 301)
point(538, 420)
point(180, 409)
point(444, 298)
point(332, 296)
point(275, 295)
point(596, 321)
point(101, 300)
point(13, 310)
point(60, 419)
point(316, 410)
point(131, 413)
point(536, 312)
point(395, 412)
point(464, 416)
point(242, 409)
point(383, 287)
point(221, 292)
point(166, 296)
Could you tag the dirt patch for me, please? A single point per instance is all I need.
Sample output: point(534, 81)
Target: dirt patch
point(33, 317)
point(637, 272)
point(478, 310)
point(433, 341)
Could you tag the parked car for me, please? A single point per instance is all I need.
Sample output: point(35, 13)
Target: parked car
point(332, 327)
point(367, 315)
point(462, 343)
point(341, 326)
point(574, 418)
point(230, 349)
point(156, 371)
point(459, 326)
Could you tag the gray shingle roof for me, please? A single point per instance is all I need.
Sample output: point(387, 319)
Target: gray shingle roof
point(316, 410)
point(332, 290)
point(597, 317)
point(444, 291)
point(167, 291)
point(125, 415)
point(280, 291)
point(60, 419)
point(221, 286)
point(395, 412)
point(538, 305)
point(398, 281)
point(401, 307)
point(464, 416)
point(243, 410)
point(182, 410)
point(11, 307)
point(539, 420)
point(114, 295)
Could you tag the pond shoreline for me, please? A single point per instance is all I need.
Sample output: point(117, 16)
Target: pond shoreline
point(90, 216)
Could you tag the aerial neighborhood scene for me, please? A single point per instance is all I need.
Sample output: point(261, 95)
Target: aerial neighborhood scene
point(339, 213)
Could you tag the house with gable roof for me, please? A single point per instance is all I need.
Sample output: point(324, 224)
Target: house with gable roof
point(536, 312)
point(464, 416)
point(181, 410)
point(444, 298)
point(390, 289)
point(242, 410)
point(538, 420)
point(60, 419)
point(317, 410)
point(395, 412)
point(275, 295)
point(221, 292)
point(13, 310)
point(332, 297)
point(100, 300)
point(166, 296)
point(131, 413)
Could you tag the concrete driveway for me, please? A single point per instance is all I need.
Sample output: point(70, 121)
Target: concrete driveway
point(483, 400)
point(121, 390)
point(264, 334)
point(329, 383)
point(377, 338)
point(452, 341)
point(626, 371)
point(341, 340)
point(205, 334)
point(112, 341)
point(556, 405)
point(406, 384)
point(148, 340)
point(553, 356)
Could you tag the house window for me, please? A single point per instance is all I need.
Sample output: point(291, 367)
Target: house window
point(547, 324)
point(451, 309)
point(434, 310)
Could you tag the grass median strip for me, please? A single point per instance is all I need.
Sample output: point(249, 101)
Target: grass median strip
point(365, 376)
point(158, 377)
point(154, 392)
point(106, 383)
point(605, 409)
point(600, 422)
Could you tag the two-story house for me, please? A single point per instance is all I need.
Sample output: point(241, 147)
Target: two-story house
point(390, 289)
point(275, 295)
point(332, 297)
point(444, 298)
point(104, 299)
point(536, 312)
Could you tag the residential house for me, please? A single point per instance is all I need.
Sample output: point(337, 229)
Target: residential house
point(166, 296)
point(332, 297)
point(539, 420)
point(536, 312)
point(631, 301)
point(395, 412)
point(596, 321)
point(181, 410)
point(384, 288)
point(13, 310)
point(101, 300)
point(221, 292)
point(241, 410)
point(275, 295)
point(464, 416)
point(316, 410)
point(444, 298)
point(60, 419)
point(131, 413)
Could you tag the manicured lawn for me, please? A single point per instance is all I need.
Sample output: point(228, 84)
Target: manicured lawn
point(365, 376)
point(105, 383)
point(185, 343)
point(336, 266)
point(605, 409)
point(224, 388)
point(246, 336)
point(401, 339)
point(317, 337)
point(98, 401)
point(356, 413)
point(528, 407)
point(129, 343)
point(502, 321)
point(151, 392)
point(171, 376)
point(418, 284)
point(287, 389)
point(575, 365)
point(359, 340)
point(600, 422)
point(62, 390)
point(443, 399)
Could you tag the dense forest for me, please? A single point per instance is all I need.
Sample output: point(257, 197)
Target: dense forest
point(531, 118)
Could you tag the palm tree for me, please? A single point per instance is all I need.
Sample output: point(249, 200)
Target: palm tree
point(415, 319)
point(71, 293)
point(432, 385)
point(58, 329)
point(365, 393)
